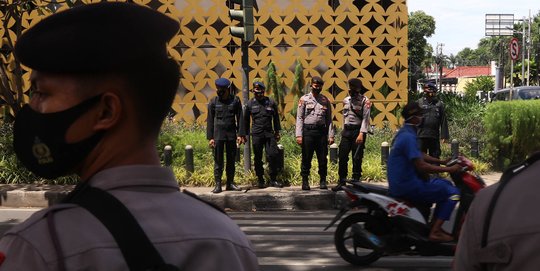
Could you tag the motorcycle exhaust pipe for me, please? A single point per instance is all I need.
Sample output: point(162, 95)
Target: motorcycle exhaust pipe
point(365, 239)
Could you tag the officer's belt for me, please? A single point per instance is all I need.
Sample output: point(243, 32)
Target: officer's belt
point(314, 126)
point(352, 127)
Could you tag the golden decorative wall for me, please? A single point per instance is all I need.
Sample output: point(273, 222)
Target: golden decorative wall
point(334, 39)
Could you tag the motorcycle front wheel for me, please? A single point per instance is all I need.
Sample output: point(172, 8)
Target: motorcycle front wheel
point(345, 244)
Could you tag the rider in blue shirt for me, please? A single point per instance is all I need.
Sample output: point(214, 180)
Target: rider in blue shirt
point(408, 174)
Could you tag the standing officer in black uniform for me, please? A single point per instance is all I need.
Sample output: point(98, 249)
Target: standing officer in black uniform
point(263, 111)
point(224, 130)
point(356, 113)
point(314, 131)
point(435, 125)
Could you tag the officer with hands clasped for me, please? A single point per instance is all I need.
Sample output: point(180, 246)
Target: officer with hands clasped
point(435, 126)
point(102, 85)
point(314, 131)
point(356, 114)
point(224, 130)
point(264, 114)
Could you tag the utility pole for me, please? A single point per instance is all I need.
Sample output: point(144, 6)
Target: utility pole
point(440, 63)
point(523, 37)
point(529, 48)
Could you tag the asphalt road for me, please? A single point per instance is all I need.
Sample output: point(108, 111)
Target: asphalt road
point(290, 241)
point(296, 241)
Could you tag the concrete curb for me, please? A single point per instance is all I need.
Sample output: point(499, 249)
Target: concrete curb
point(269, 199)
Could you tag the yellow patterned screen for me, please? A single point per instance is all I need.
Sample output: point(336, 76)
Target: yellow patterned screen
point(336, 39)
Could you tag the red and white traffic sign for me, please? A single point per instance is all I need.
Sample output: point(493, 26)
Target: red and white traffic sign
point(514, 49)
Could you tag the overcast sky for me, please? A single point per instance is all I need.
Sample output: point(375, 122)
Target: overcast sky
point(461, 23)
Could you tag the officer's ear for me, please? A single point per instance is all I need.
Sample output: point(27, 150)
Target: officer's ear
point(110, 110)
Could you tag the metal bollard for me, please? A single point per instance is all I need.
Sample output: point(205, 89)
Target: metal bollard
point(167, 155)
point(334, 153)
point(385, 150)
point(281, 162)
point(454, 146)
point(190, 167)
point(237, 157)
point(475, 152)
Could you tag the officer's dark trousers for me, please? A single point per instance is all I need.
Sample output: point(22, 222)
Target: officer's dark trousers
point(431, 146)
point(228, 146)
point(259, 143)
point(314, 141)
point(348, 146)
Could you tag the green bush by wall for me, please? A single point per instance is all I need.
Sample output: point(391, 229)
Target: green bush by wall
point(512, 131)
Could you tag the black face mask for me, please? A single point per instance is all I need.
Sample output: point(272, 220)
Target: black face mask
point(316, 90)
point(40, 140)
point(221, 91)
point(353, 93)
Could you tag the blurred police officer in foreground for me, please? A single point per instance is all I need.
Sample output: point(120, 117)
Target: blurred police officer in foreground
point(102, 84)
point(264, 113)
point(224, 130)
point(356, 113)
point(435, 126)
point(314, 131)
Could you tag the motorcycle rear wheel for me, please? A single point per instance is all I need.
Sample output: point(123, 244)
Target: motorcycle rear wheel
point(343, 240)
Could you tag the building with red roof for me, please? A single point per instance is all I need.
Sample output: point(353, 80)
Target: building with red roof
point(454, 80)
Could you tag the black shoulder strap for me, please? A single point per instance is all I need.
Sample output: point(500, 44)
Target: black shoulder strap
point(138, 250)
point(505, 179)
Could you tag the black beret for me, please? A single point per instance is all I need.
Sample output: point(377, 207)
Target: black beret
point(317, 79)
point(411, 109)
point(430, 87)
point(96, 38)
point(355, 84)
point(259, 83)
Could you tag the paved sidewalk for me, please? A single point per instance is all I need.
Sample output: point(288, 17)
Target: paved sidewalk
point(249, 199)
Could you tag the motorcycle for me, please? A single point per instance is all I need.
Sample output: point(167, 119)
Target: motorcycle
point(381, 225)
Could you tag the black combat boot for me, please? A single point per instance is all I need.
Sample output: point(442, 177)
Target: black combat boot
point(275, 183)
point(231, 186)
point(339, 185)
point(305, 183)
point(217, 189)
point(322, 183)
point(260, 183)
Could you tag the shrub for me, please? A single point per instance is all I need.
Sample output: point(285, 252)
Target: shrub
point(180, 135)
point(512, 131)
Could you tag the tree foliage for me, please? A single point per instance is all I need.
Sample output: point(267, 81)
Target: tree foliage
point(481, 83)
point(495, 48)
point(421, 26)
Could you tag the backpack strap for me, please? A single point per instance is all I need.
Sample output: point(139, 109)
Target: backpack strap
point(139, 252)
point(505, 179)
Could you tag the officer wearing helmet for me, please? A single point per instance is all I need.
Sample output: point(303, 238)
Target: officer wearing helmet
point(224, 130)
point(435, 125)
point(265, 128)
point(314, 131)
